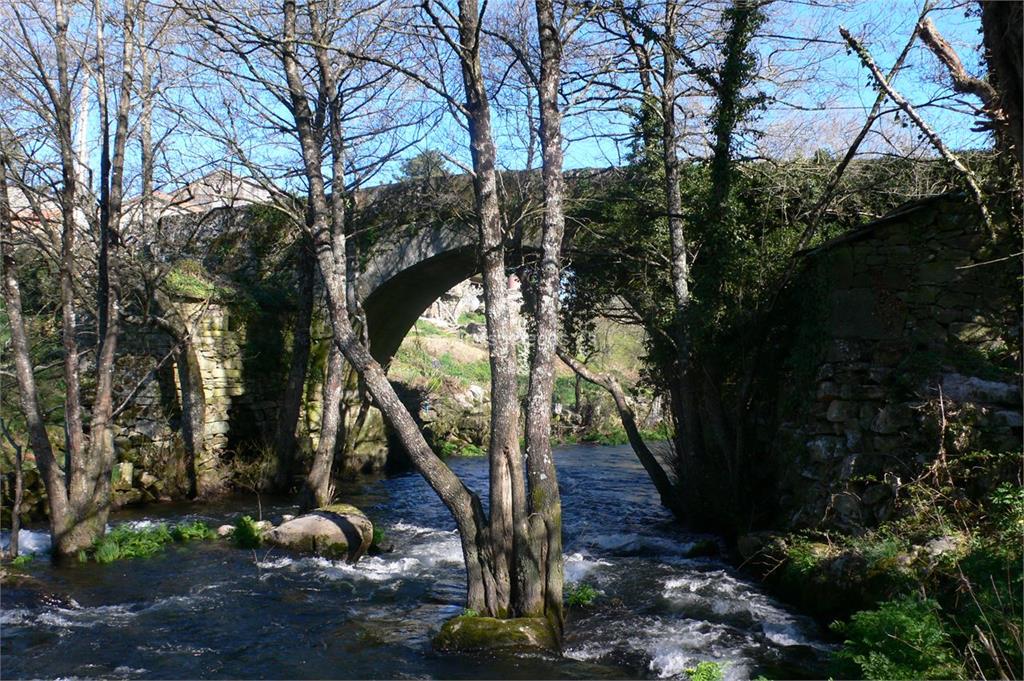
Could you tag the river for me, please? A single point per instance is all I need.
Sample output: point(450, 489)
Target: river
point(208, 610)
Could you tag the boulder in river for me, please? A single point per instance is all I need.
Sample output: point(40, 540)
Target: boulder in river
point(471, 633)
point(335, 531)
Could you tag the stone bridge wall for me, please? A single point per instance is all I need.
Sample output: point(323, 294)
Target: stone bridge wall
point(910, 317)
point(242, 362)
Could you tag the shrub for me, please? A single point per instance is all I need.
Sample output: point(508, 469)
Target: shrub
point(580, 594)
point(246, 534)
point(470, 612)
point(901, 639)
point(706, 671)
point(22, 560)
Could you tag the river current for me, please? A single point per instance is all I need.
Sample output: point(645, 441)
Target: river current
point(208, 610)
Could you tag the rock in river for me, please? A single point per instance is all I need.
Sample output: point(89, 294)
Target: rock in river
point(471, 633)
point(335, 531)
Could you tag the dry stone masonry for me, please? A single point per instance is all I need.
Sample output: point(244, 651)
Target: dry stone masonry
point(910, 321)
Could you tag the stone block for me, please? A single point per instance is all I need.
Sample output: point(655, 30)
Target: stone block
point(973, 332)
point(854, 437)
point(216, 428)
point(840, 410)
point(827, 390)
point(889, 419)
point(842, 351)
point(940, 271)
point(960, 388)
point(921, 295)
point(855, 313)
point(122, 475)
point(1008, 419)
point(825, 448)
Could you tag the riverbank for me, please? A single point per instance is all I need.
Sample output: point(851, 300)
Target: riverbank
point(935, 592)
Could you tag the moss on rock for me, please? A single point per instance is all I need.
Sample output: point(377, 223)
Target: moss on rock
point(470, 633)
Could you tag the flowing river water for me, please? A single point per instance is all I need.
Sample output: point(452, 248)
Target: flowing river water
point(208, 610)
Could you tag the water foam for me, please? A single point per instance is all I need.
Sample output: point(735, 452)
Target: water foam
point(578, 566)
point(33, 542)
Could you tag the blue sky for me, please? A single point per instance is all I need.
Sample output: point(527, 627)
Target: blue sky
point(840, 86)
point(835, 87)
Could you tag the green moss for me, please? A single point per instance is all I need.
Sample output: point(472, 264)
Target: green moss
point(189, 279)
point(475, 633)
point(342, 509)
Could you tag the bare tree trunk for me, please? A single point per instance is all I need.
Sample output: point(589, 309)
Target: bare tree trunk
point(74, 435)
point(19, 483)
point(541, 576)
point(146, 95)
point(28, 395)
point(317, 489)
point(90, 494)
point(689, 437)
point(1003, 33)
point(661, 481)
point(329, 245)
point(19, 489)
point(507, 483)
point(291, 400)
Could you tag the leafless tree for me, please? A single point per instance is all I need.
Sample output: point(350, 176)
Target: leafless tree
point(45, 70)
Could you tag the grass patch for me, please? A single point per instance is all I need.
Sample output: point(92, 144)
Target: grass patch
point(378, 535)
point(467, 372)
point(472, 318)
point(189, 279)
point(425, 328)
point(196, 529)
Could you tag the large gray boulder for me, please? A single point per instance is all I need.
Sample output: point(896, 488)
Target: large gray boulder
point(335, 531)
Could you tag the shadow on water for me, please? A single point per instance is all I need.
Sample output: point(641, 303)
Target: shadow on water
point(206, 609)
